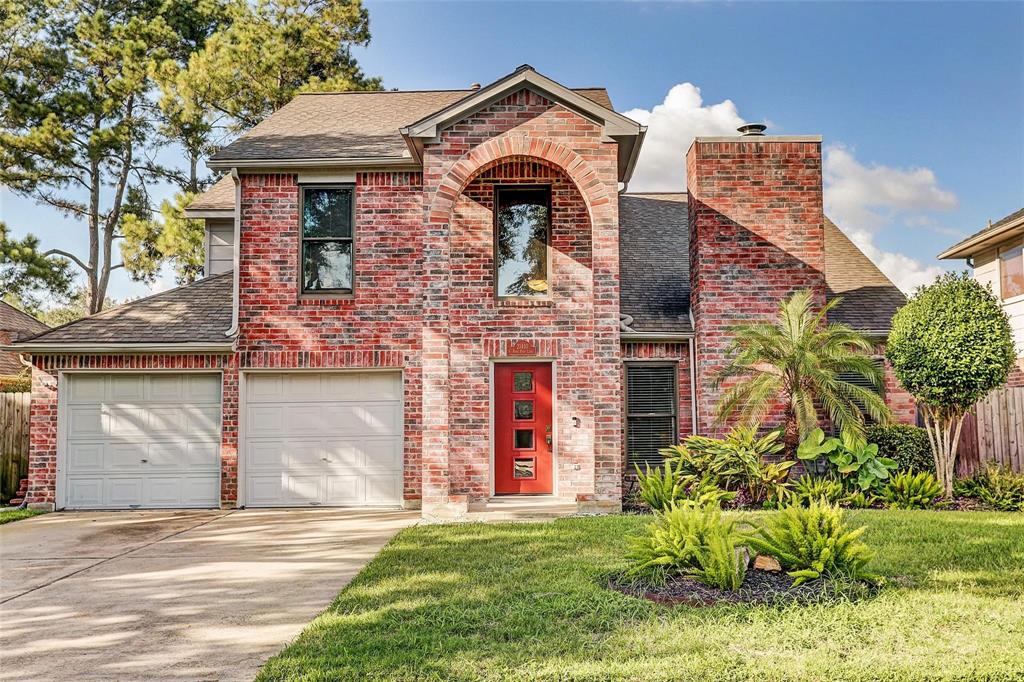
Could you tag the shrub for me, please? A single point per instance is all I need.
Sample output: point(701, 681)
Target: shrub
point(998, 487)
point(812, 543)
point(950, 345)
point(907, 490)
point(855, 461)
point(858, 499)
point(907, 445)
point(809, 489)
point(691, 541)
point(738, 462)
point(21, 383)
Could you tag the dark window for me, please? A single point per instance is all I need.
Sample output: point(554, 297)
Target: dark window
point(523, 410)
point(523, 439)
point(522, 382)
point(327, 258)
point(521, 230)
point(651, 399)
point(858, 380)
point(1011, 272)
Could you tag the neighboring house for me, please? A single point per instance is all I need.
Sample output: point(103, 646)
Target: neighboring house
point(996, 254)
point(429, 298)
point(15, 325)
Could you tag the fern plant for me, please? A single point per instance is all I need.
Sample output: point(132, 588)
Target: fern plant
point(813, 542)
point(907, 490)
point(809, 489)
point(661, 487)
point(689, 540)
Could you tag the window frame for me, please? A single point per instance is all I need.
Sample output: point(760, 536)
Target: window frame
point(674, 365)
point(999, 269)
point(325, 293)
point(548, 189)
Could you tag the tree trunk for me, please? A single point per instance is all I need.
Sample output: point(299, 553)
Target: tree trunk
point(944, 428)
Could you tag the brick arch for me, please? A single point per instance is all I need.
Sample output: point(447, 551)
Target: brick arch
point(506, 148)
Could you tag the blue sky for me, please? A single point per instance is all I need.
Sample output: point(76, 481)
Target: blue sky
point(921, 105)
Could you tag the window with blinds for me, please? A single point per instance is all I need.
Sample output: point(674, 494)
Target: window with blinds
point(651, 398)
point(858, 380)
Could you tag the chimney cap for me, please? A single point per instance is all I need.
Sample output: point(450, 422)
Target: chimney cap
point(474, 86)
point(752, 129)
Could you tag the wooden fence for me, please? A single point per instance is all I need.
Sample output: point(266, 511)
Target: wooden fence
point(995, 433)
point(13, 441)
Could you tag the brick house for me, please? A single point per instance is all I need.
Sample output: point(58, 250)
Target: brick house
point(434, 298)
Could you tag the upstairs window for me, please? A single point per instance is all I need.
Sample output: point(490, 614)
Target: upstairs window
point(651, 413)
point(1011, 271)
point(522, 227)
point(326, 249)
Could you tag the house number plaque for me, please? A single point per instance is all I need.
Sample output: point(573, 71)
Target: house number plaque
point(522, 347)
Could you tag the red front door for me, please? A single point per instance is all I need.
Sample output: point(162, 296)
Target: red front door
point(522, 428)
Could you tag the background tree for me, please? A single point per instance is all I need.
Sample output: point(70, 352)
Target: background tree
point(252, 60)
point(797, 362)
point(27, 276)
point(76, 113)
point(949, 346)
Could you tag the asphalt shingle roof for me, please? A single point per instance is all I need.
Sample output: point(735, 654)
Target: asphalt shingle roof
point(654, 262)
point(15, 325)
point(221, 196)
point(655, 270)
point(197, 313)
point(347, 125)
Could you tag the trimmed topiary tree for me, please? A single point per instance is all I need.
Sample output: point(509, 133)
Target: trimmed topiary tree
point(950, 345)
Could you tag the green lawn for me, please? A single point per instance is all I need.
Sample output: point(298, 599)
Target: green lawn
point(524, 601)
point(9, 514)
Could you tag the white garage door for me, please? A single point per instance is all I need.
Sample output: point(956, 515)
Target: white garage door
point(141, 440)
point(323, 439)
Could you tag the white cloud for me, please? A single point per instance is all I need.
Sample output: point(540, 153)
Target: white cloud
point(672, 125)
point(865, 199)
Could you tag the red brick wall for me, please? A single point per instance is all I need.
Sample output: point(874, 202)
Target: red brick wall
point(379, 326)
point(756, 236)
point(42, 467)
point(1016, 377)
point(522, 138)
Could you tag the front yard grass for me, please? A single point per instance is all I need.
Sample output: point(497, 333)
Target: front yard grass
point(526, 601)
point(9, 514)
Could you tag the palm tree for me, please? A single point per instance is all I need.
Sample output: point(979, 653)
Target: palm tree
point(796, 362)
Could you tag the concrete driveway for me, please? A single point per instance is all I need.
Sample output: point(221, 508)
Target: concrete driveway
point(205, 595)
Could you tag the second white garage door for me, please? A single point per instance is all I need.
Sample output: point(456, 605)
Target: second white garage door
point(323, 439)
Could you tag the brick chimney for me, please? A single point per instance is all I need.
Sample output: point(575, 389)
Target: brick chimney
point(756, 236)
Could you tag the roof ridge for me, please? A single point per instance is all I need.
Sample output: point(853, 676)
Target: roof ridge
point(403, 92)
point(198, 282)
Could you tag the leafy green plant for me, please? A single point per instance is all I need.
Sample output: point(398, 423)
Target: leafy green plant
point(813, 542)
point(907, 490)
point(950, 345)
point(856, 461)
point(858, 499)
point(907, 445)
point(800, 359)
point(738, 462)
point(998, 487)
point(809, 489)
point(689, 540)
point(660, 487)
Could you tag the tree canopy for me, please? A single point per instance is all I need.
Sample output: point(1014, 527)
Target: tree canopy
point(949, 346)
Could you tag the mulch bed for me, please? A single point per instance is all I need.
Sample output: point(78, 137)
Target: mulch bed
point(759, 587)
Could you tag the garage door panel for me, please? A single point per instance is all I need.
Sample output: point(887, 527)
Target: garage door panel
point(85, 421)
point(142, 440)
point(127, 387)
point(265, 420)
point(381, 418)
point(87, 388)
point(304, 489)
point(124, 492)
point(324, 435)
point(345, 489)
point(380, 488)
point(84, 456)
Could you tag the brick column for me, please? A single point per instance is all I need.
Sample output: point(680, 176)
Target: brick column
point(756, 236)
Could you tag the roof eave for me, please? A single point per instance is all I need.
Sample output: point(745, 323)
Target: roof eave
point(973, 245)
point(203, 213)
point(654, 337)
point(132, 348)
point(403, 162)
